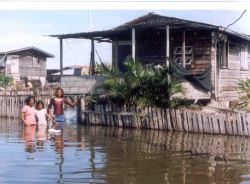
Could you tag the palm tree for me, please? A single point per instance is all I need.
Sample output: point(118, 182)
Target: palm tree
point(140, 85)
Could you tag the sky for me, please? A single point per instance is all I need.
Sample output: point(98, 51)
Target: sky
point(25, 28)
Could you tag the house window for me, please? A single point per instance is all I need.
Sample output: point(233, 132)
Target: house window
point(222, 53)
point(244, 56)
point(188, 55)
point(36, 62)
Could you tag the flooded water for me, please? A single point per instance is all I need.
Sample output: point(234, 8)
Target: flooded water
point(85, 154)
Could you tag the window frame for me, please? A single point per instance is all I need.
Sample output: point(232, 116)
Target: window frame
point(244, 56)
point(177, 53)
point(224, 49)
point(35, 62)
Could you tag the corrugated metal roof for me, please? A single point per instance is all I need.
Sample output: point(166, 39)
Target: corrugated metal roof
point(147, 21)
point(153, 19)
point(34, 49)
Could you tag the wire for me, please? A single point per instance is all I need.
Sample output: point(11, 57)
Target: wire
point(237, 19)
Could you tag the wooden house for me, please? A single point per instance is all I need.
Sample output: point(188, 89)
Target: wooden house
point(199, 50)
point(25, 64)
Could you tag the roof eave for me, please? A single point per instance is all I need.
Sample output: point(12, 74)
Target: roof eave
point(48, 55)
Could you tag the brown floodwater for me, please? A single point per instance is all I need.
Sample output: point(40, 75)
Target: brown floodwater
point(84, 154)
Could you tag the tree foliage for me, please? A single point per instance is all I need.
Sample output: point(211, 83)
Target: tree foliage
point(5, 80)
point(140, 85)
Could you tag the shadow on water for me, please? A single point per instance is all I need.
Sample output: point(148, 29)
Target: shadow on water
point(83, 154)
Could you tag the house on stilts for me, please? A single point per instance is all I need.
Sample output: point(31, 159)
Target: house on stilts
point(211, 58)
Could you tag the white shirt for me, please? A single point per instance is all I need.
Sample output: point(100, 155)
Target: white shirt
point(41, 116)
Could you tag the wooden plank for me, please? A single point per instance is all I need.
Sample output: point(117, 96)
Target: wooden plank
point(129, 121)
point(132, 120)
point(143, 118)
point(160, 119)
point(229, 126)
point(221, 122)
point(200, 122)
point(155, 118)
point(210, 124)
point(239, 124)
point(169, 122)
point(195, 123)
point(125, 121)
point(112, 123)
point(149, 118)
point(173, 119)
point(244, 124)
point(185, 123)
point(137, 118)
point(102, 109)
point(164, 119)
point(200, 119)
point(190, 123)
point(234, 124)
point(178, 120)
point(120, 124)
point(216, 124)
point(248, 123)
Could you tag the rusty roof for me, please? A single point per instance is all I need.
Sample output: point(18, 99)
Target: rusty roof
point(152, 19)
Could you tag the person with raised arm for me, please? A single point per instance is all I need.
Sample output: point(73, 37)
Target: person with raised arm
point(57, 103)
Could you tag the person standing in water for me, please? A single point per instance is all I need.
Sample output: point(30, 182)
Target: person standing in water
point(28, 112)
point(29, 122)
point(41, 116)
point(57, 103)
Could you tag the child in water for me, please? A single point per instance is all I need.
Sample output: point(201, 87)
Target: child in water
point(41, 115)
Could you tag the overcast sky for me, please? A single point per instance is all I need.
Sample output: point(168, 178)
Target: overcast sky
point(24, 28)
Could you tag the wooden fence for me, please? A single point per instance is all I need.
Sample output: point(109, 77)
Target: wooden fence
point(43, 92)
point(10, 106)
point(229, 123)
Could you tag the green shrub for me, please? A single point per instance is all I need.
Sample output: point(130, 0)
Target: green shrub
point(140, 85)
point(5, 80)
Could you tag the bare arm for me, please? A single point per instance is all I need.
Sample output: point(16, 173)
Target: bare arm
point(49, 113)
point(23, 118)
point(72, 102)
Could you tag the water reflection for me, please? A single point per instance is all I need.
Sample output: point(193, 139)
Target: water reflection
point(167, 157)
point(84, 154)
point(29, 135)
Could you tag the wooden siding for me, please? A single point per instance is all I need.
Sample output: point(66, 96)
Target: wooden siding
point(29, 69)
point(213, 66)
point(201, 43)
point(230, 76)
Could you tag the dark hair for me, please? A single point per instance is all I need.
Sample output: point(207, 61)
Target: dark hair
point(57, 89)
point(27, 100)
point(39, 102)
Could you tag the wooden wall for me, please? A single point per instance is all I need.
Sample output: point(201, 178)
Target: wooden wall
point(151, 46)
point(201, 43)
point(229, 77)
point(27, 66)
